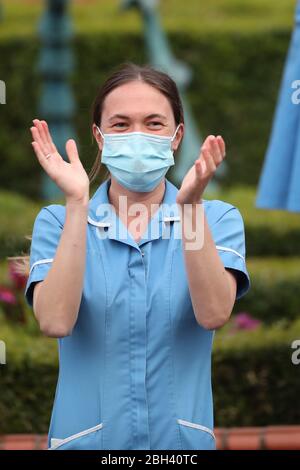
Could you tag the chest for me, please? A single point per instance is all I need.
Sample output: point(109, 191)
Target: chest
point(136, 225)
point(124, 284)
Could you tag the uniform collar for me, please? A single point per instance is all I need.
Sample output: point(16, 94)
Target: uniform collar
point(101, 211)
point(102, 215)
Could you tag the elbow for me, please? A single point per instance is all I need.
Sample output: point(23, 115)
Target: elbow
point(55, 331)
point(217, 313)
point(214, 322)
point(53, 328)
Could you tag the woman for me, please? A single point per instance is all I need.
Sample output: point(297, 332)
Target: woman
point(135, 280)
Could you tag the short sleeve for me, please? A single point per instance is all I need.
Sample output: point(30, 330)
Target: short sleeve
point(229, 236)
point(46, 234)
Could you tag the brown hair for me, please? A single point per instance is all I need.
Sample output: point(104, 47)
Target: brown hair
point(129, 72)
point(124, 73)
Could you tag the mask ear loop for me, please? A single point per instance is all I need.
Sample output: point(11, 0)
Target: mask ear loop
point(99, 130)
point(174, 135)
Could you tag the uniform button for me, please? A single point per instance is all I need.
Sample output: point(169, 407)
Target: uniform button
point(142, 253)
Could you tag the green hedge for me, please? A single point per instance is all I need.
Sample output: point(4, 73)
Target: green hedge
point(27, 380)
point(233, 92)
point(254, 381)
point(17, 215)
point(268, 232)
point(274, 292)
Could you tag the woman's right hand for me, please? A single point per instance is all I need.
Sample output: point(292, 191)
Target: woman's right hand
point(70, 176)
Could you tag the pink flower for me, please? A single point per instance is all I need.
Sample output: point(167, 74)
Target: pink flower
point(7, 296)
point(244, 321)
point(18, 278)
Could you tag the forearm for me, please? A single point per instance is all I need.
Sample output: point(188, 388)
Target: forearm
point(58, 299)
point(210, 290)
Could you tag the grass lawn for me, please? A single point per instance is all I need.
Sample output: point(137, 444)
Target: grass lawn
point(199, 16)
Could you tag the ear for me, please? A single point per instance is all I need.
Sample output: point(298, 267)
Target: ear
point(178, 137)
point(98, 137)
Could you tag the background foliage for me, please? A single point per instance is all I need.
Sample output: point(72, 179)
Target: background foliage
point(237, 50)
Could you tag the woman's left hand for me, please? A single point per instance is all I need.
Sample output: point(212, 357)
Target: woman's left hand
point(195, 181)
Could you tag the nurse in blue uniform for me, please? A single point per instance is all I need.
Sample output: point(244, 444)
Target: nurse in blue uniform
point(134, 280)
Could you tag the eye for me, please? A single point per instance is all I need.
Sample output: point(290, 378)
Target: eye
point(155, 123)
point(120, 124)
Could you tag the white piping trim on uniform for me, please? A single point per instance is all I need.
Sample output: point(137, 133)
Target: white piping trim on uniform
point(224, 248)
point(196, 426)
point(174, 218)
point(75, 436)
point(98, 224)
point(41, 261)
point(108, 224)
point(55, 441)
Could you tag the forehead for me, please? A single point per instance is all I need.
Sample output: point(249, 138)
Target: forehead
point(136, 98)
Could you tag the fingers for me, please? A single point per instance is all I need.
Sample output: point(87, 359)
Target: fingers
point(222, 145)
point(48, 136)
point(200, 167)
point(44, 144)
point(39, 136)
point(42, 135)
point(209, 161)
point(212, 154)
point(36, 137)
point(40, 155)
point(216, 148)
point(72, 152)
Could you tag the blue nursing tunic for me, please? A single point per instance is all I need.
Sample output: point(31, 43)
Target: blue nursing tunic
point(135, 372)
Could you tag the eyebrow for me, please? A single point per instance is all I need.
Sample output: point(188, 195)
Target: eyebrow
point(150, 116)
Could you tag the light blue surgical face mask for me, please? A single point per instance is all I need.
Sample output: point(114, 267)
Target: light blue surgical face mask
point(138, 160)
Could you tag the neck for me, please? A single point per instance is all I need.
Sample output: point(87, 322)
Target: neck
point(134, 197)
